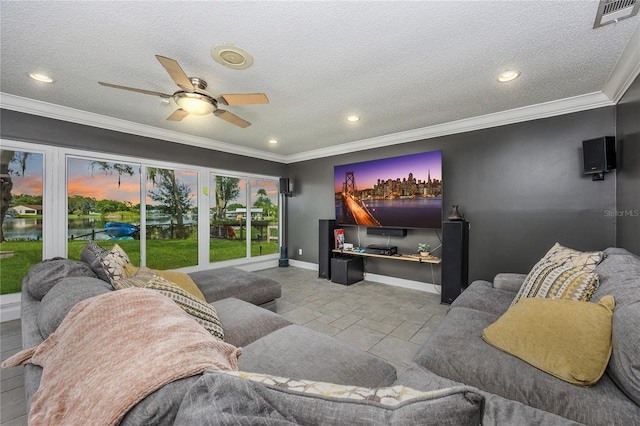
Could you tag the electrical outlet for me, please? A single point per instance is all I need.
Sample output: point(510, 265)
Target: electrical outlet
point(300, 252)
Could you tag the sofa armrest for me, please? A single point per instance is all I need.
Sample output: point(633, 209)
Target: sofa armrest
point(509, 281)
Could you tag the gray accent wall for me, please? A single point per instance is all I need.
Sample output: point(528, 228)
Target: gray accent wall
point(47, 131)
point(520, 186)
point(628, 171)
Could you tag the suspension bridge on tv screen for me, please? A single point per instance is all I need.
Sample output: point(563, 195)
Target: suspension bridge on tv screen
point(352, 205)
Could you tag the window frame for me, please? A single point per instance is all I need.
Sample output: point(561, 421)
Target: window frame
point(55, 193)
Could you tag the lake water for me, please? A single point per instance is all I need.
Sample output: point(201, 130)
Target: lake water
point(31, 229)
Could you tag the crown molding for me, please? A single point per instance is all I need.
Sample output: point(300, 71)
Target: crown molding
point(58, 112)
point(517, 115)
point(626, 69)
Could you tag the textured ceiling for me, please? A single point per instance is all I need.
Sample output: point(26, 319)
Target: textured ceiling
point(404, 67)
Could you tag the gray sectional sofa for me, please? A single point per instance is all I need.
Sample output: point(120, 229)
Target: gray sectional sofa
point(456, 353)
point(487, 385)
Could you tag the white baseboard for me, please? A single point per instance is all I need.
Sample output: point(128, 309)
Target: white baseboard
point(10, 307)
point(383, 279)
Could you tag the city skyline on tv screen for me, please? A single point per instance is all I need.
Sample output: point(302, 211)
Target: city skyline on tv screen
point(404, 191)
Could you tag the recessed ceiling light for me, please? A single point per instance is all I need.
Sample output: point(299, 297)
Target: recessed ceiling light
point(273, 141)
point(353, 118)
point(231, 56)
point(40, 77)
point(508, 76)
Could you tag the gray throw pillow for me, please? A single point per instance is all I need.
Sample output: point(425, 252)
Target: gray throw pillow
point(44, 275)
point(90, 255)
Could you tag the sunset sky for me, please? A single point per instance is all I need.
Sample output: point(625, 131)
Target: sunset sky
point(83, 181)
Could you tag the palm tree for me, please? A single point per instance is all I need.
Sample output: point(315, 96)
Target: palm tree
point(6, 159)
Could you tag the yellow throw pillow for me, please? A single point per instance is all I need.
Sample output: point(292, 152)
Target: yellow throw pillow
point(180, 279)
point(568, 339)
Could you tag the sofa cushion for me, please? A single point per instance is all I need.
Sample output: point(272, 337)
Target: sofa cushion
point(202, 312)
point(69, 291)
point(218, 398)
point(455, 350)
point(620, 277)
point(44, 275)
point(298, 352)
point(498, 411)
point(222, 283)
point(568, 339)
point(244, 322)
point(481, 295)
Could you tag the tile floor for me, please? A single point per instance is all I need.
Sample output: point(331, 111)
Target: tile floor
point(389, 322)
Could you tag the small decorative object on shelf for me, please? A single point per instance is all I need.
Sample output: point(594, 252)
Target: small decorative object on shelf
point(455, 214)
point(424, 249)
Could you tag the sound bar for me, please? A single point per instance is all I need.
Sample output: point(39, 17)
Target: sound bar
point(387, 232)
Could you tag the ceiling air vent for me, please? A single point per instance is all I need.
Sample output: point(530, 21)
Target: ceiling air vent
point(614, 10)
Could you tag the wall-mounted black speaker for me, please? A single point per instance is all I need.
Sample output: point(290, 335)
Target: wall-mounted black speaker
point(599, 155)
point(387, 232)
point(284, 187)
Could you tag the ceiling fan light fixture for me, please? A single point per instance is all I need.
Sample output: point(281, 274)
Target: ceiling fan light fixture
point(195, 103)
point(231, 56)
point(43, 78)
point(508, 76)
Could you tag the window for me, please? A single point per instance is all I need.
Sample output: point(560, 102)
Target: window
point(103, 204)
point(22, 210)
point(171, 218)
point(56, 199)
point(264, 216)
point(228, 212)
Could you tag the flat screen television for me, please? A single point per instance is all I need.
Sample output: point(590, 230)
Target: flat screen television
point(397, 192)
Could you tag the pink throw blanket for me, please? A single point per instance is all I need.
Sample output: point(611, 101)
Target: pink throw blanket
point(113, 350)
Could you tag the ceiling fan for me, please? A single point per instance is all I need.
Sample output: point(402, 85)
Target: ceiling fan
point(194, 99)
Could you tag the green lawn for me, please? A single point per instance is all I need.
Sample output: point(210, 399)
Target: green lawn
point(161, 254)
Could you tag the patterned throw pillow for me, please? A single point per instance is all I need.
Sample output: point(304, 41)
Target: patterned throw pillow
point(562, 273)
point(140, 279)
point(202, 312)
point(574, 258)
point(180, 279)
point(390, 396)
point(553, 281)
point(113, 263)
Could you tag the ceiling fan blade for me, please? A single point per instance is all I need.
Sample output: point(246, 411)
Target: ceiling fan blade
point(245, 99)
point(176, 73)
point(231, 118)
point(178, 115)
point(133, 89)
